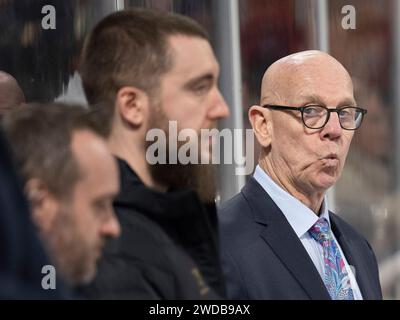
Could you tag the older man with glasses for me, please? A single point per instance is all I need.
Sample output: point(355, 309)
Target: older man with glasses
point(279, 239)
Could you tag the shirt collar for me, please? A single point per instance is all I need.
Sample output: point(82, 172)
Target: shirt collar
point(300, 217)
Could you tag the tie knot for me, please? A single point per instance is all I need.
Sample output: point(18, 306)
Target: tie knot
point(320, 230)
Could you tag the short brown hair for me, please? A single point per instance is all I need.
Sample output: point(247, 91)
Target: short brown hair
point(40, 138)
point(129, 47)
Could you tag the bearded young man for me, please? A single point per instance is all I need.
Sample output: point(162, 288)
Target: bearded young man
point(143, 69)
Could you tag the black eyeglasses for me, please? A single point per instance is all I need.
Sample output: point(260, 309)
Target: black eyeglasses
point(316, 116)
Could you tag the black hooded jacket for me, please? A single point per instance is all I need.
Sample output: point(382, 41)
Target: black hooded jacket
point(168, 248)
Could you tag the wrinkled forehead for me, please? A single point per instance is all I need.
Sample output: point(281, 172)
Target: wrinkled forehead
point(319, 80)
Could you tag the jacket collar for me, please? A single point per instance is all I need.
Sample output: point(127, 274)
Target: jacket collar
point(354, 257)
point(180, 212)
point(277, 233)
point(300, 217)
point(281, 238)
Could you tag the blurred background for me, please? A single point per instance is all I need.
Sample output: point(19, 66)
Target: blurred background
point(248, 35)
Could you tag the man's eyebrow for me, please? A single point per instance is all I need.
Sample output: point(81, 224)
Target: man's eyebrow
point(348, 102)
point(205, 77)
point(106, 197)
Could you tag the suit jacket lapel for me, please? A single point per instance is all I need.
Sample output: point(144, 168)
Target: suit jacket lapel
point(279, 235)
point(354, 258)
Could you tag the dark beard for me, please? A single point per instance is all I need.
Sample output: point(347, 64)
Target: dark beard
point(196, 177)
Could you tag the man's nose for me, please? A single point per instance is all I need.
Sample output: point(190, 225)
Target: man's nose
point(111, 227)
point(219, 109)
point(332, 129)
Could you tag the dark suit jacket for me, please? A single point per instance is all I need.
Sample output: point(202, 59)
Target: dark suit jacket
point(264, 259)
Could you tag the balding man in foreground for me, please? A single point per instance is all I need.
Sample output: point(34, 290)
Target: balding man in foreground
point(11, 94)
point(279, 239)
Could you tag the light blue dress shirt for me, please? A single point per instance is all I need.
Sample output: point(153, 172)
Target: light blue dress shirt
point(301, 219)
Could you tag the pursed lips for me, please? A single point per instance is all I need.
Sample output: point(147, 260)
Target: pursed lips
point(330, 160)
point(331, 156)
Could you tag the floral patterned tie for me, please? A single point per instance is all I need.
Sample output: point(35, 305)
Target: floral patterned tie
point(336, 279)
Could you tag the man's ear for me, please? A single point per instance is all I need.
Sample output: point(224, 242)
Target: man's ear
point(44, 205)
point(262, 125)
point(132, 106)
